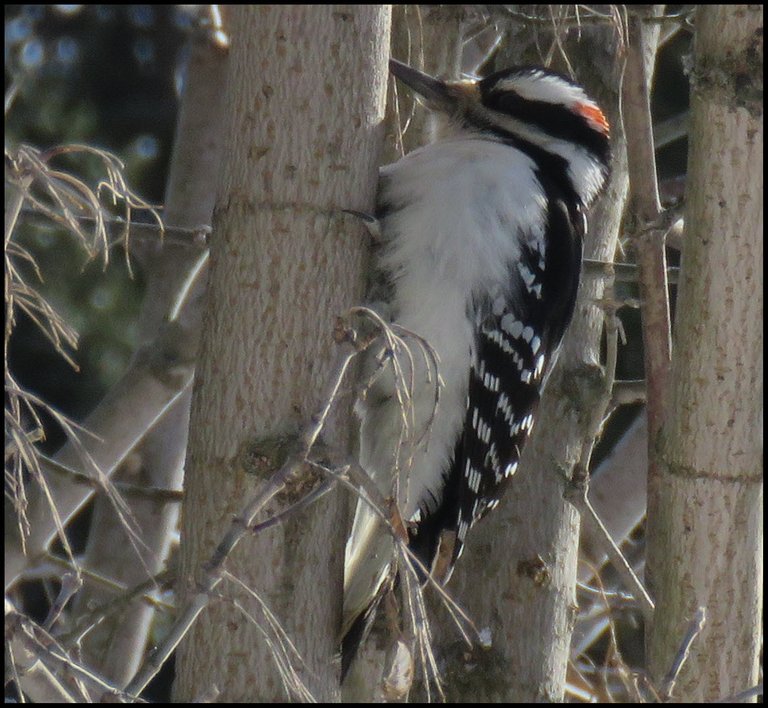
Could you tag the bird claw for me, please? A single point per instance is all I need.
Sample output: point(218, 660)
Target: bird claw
point(371, 223)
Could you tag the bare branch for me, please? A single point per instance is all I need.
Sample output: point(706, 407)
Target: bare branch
point(214, 567)
point(693, 631)
point(650, 231)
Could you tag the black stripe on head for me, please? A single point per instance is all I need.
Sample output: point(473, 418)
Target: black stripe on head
point(547, 163)
point(554, 119)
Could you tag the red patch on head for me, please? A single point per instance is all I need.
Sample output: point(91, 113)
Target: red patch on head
point(594, 115)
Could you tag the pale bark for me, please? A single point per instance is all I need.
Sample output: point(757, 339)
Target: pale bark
point(115, 647)
point(705, 537)
point(304, 105)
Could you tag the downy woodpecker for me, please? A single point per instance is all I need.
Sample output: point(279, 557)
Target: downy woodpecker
point(481, 239)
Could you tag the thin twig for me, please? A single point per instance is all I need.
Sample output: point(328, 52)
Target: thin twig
point(590, 518)
point(307, 500)
point(649, 239)
point(622, 272)
point(693, 631)
point(239, 528)
point(43, 647)
point(626, 392)
point(145, 231)
point(283, 650)
point(70, 584)
point(742, 696)
point(140, 592)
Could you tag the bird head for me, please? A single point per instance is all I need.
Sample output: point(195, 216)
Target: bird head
point(532, 104)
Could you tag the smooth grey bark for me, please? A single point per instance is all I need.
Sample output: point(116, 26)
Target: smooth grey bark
point(705, 538)
point(304, 105)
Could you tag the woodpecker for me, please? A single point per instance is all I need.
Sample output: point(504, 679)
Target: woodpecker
point(480, 253)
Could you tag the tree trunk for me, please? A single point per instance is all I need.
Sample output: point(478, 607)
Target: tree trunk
point(304, 107)
point(705, 541)
point(115, 647)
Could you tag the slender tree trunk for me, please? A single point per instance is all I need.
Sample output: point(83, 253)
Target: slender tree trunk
point(304, 106)
point(705, 539)
point(115, 647)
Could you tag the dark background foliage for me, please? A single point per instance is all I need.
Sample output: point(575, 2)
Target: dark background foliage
point(108, 76)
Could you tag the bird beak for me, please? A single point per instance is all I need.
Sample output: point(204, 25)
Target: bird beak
point(437, 94)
